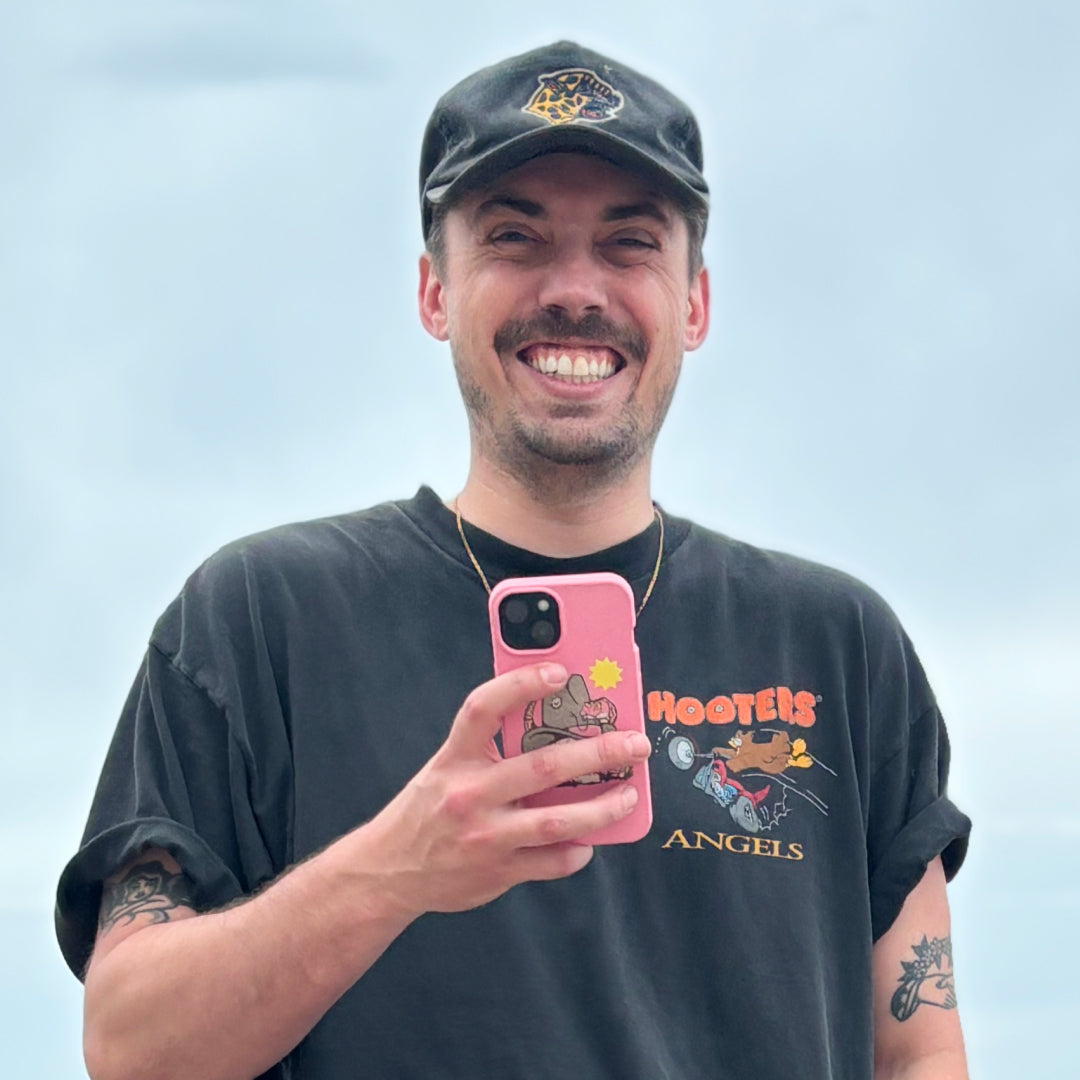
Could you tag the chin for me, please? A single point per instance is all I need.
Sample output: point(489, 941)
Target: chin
point(543, 458)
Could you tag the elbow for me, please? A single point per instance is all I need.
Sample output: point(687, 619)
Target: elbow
point(107, 1050)
point(115, 1052)
point(109, 1059)
point(104, 1059)
point(142, 1052)
point(99, 1062)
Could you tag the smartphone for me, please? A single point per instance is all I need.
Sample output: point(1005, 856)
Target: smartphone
point(586, 623)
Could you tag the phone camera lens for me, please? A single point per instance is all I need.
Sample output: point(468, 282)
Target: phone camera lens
point(529, 620)
point(516, 610)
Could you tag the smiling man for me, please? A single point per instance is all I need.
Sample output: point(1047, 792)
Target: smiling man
point(306, 858)
point(568, 292)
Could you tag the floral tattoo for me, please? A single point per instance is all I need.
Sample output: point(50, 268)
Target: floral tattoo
point(927, 980)
point(146, 889)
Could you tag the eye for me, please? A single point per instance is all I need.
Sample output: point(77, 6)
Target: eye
point(630, 246)
point(634, 237)
point(509, 234)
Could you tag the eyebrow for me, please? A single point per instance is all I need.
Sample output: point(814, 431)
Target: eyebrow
point(509, 202)
point(646, 208)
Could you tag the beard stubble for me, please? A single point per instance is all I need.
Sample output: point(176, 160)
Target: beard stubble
point(588, 458)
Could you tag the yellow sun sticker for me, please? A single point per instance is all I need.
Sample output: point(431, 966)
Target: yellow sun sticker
point(605, 674)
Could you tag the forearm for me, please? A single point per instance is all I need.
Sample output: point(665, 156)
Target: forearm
point(225, 995)
point(940, 1065)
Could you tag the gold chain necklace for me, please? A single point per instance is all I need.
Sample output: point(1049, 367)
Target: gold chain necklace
point(487, 587)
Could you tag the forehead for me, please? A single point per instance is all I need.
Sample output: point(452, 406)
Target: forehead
point(580, 183)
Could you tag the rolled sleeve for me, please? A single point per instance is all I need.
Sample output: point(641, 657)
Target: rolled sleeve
point(174, 778)
point(78, 897)
point(912, 819)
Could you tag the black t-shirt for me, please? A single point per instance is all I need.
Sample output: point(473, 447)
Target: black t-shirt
point(305, 674)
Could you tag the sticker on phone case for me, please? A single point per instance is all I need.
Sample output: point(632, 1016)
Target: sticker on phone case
point(572, 713)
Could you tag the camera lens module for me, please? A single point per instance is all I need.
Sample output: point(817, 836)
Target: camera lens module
point(529, 620)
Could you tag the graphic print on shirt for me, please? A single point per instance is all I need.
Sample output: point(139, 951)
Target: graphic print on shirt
point(761, 774)
point(572, 713)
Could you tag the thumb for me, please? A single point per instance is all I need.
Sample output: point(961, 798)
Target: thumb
point(481, 714)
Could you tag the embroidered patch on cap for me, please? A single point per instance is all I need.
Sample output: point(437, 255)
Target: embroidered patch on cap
point(574, 94)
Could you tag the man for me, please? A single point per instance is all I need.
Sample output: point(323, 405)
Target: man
point(307, 858)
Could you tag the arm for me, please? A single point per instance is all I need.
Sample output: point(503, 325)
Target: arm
point(224, 995)
point(916, 1027)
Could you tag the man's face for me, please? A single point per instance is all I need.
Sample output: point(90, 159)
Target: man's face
point(565, 295)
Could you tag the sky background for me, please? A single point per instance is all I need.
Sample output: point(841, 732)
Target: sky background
point(208, 244)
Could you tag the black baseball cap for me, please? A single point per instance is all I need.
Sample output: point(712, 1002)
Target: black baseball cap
point(562, 97)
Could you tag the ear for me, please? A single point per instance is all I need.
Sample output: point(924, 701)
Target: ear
point(431, 298)
point(576, 688)
point(697, 319)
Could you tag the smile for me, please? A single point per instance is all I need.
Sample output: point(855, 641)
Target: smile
point(572, 363)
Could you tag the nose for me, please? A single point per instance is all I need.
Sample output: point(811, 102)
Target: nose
point(574, 283)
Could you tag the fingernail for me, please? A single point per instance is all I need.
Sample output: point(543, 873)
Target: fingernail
point(637, 744)
point(553, 674)
point(629, 797)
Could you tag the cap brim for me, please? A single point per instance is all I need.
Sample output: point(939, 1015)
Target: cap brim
point(568, 138)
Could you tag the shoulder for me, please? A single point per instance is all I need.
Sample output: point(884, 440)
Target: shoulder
point(772, 599)
point(304, 545)
point(814, 615)
point(270, 578)
point(774, 579)
point(299, 551)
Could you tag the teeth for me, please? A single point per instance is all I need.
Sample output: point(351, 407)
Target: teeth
point(579, 369)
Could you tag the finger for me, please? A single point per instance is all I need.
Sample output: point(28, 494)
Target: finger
point(481, 713)
point(537, 827)
point(538, 770)
point(551, 862)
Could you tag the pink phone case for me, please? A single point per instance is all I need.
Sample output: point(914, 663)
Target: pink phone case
point(603, 691)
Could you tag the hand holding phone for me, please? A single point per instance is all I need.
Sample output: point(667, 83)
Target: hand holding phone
point(586, 623)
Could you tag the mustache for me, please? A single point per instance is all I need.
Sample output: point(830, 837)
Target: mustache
point(556, 326)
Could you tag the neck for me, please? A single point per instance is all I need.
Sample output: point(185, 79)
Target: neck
point(566, 519)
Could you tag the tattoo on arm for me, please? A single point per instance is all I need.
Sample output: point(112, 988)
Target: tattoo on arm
point(927, 980)
point(146, 889)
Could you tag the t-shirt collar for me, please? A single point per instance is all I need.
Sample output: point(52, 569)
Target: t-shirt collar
point(633, 559)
